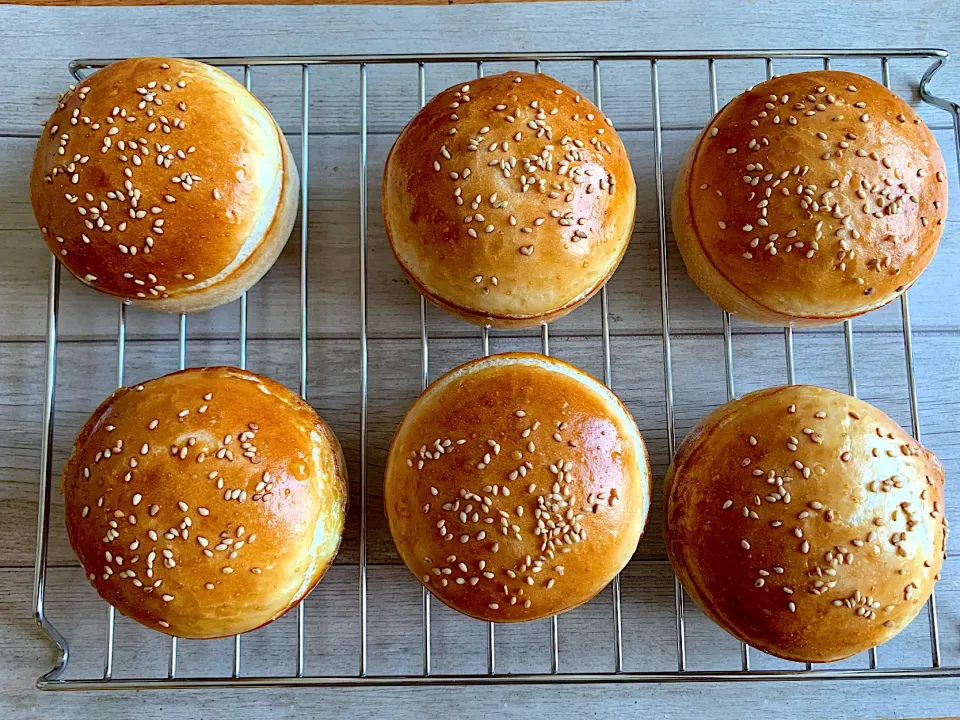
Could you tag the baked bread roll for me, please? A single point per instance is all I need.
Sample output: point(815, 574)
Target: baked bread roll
point(805, 522)
point(509, 200)
point(516, 487)
point(810, 199)
point(164, 183)
point(205, 503)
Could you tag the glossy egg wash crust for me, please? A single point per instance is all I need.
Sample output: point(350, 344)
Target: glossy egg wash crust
point(165, 183)
point(509, 200)
point(809, 199)
point(805, 522)
point(205, 503)
point(516, 487)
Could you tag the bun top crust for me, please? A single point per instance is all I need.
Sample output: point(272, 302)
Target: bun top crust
point(818, 195)
point(206, 502)
point(516, 487)
point(509, 197)
point(157, 177)
point(805, 522)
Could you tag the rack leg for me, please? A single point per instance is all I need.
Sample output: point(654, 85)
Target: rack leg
point(182, 362)
point(788, 353)
point(852, 390)
point(608, 381)
point(787, 331)
point(427, 623)
point(851, 368)
point(485, 349)
point(554, 630)
point(248, 82)
point(728, 356)
point(46, 467)
point(424, 381)
point(111, 611)
point(665, 325)
point(727, 333)
point(172, 660)
point(363, 369)
point(237, 642)
point(915, 414)
point(491, 626)
point(182, 338)
point(915, 423)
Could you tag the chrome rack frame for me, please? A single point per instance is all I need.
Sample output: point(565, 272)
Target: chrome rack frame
point(55, 680)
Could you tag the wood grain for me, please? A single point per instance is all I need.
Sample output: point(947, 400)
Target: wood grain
point(147, 3)
point(393, 306)
point(394, 633)
point(35, 46)
point(458, 644)
point(87, 373)
point(224, 30)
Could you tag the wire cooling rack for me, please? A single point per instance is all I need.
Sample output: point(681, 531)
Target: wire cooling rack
point(56, 679)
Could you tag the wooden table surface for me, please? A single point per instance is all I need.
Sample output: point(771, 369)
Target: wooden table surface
point(35, 46)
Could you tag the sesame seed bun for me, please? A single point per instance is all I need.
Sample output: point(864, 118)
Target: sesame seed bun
point(164, 183)
point(516, 487)
point(805, 522)
point(810, 199)
point(509, 201)
point(205, 503)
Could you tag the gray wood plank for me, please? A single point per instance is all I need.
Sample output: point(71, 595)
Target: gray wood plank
point(220, 31)
point(87, 374)
point(393, 305)
point(394, 646)
point(36, 44)
point(395, 636)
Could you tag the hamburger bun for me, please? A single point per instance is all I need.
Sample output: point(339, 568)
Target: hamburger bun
point(164, 183)
point(810, 199)
point(516, 487)
point(205, 503)
point(509, 200)
point(805, 522)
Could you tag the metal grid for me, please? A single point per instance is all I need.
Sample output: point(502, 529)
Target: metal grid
point(53, 680)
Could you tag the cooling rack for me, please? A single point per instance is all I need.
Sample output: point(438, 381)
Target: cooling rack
point(58, 677)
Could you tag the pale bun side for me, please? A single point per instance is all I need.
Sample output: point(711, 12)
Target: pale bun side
point(205, 503)
point(165, 183)
point(810, 199)
point(516, 487)
point(230, 285)
point(509, 200)
point(805, 522)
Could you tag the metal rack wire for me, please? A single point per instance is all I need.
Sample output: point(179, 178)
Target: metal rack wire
point(55, 680)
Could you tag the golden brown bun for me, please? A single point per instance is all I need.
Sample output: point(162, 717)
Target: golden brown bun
point(809, 199)
point(496, 451)
point(805, 522)
point(509, 201)
point(147, 511)
point(224, 193)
